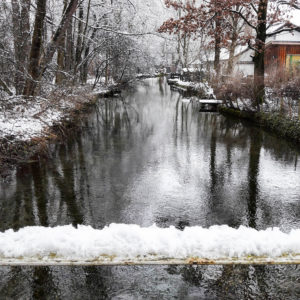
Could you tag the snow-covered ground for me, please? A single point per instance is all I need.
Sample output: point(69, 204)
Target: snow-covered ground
point(23, 119)
point(120, 242)
point(198, 86)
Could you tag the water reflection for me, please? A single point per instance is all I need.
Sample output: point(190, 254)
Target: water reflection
point(254, 156)
point(149, 157)
point(161, 282)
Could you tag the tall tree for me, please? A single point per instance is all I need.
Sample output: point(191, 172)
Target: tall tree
point(36, 46)
point(79, 37)
point(61, 55)
point(21, 35)
point(38, 63)
point(210, 17)
point(260, 16)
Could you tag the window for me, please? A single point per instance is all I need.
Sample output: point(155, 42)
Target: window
point(293, 62)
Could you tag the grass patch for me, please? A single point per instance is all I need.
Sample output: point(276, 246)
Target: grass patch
point(275, 123)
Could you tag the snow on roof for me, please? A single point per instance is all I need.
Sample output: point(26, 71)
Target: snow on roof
point(276, 27)
point(120, 242)
point(280, 37)
point(224, 55)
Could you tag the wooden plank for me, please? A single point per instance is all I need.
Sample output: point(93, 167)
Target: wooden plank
point(210, 101)
point(285, 260)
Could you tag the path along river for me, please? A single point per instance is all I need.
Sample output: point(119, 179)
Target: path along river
point(149, 157)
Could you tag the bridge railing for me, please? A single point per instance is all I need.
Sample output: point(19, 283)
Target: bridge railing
point(120, 244)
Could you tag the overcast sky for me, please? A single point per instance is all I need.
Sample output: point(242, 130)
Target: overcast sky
point(296, 18)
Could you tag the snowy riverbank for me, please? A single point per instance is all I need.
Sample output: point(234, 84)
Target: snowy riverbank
point(26, 124)
point(23, 119)
point(120, 243)
point(200, 88)
point(282, 126)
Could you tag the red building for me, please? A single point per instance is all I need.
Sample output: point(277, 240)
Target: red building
point(282, 55)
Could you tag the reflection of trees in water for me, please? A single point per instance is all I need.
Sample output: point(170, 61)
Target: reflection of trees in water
point(161, 83)
point(96, 280)
point(279, 149)
point(40, 183)
point(18, 212)
point(42, 285)
point(220, 211)
point(40, 187)
point(215, 282)
point(15, 282)
point(190, 274)
point(218, 133)
point(240, 282)
point(65, 183)
point(116, 115)
point(253, 171)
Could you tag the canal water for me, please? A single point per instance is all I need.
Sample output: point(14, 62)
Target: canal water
point(149, 156)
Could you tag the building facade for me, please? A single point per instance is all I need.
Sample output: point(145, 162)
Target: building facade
point(282, 53)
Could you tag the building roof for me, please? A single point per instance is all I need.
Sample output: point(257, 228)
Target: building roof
point(280, 38)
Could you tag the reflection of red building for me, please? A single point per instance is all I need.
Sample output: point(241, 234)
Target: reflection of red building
point(282, 55)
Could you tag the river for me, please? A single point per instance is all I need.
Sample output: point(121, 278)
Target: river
point(148, 157)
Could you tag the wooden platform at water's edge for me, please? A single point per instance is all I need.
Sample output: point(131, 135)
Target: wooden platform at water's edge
point(209, 105)
point(251, 260)
point(210, 101)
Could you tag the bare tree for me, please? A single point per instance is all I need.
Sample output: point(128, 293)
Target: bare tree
point(21, 35)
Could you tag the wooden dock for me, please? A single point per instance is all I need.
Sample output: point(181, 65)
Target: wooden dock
point(209, 105)
point(210, 101)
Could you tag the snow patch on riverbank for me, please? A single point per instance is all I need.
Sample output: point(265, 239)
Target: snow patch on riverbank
point(197, 86)
point(120, 241)
point(23, 119)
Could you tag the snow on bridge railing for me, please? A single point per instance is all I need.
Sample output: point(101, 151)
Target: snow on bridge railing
point(120, 244)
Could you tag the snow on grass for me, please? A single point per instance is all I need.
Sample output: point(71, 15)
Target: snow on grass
point(23, 119)
point(197, 86)
point(121, 242)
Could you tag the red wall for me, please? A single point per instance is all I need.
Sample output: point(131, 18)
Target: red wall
point(275, 55)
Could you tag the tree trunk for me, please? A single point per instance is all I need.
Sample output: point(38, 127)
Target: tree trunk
point(107, 67)
point(259, 56)
point(21, 36)
point(69, 55)
point(84, 68)
point(35, 52)
point(217, 66)
point(37, 65)
point(234, 38)
point(79, 39)
point(52, 46)
point(61, 54)
point(85, 49)
point(185, 48)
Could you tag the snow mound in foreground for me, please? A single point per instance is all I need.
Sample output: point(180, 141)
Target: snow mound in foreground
point(122, 241)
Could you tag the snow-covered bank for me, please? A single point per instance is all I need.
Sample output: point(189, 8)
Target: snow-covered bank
point(199, 87)
point(120, 243)
point(23, 119)
point(278, 124)
point(28, 125)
